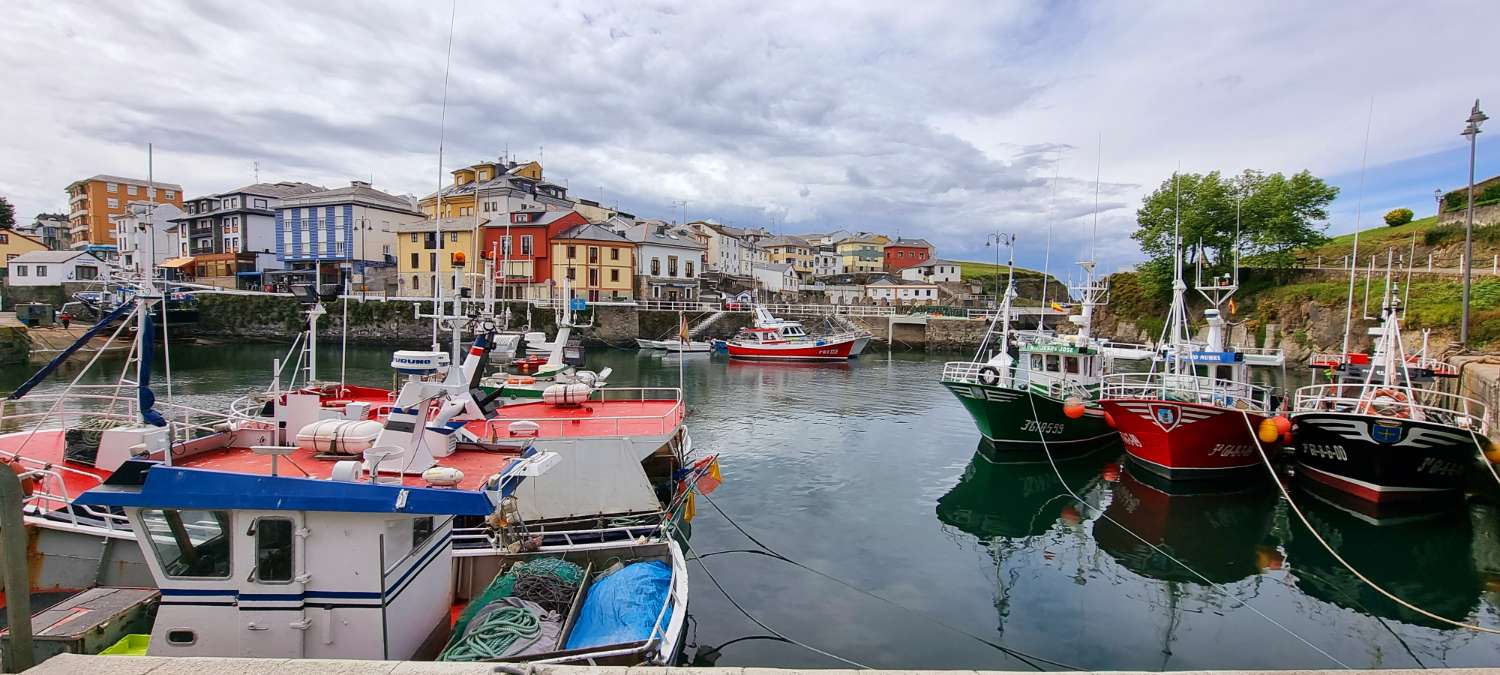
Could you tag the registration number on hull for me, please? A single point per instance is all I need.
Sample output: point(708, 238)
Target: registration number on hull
point(1326, 451)
point(1049, 428)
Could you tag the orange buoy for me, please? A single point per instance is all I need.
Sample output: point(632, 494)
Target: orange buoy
point(1283, 423)
point(1269, 558)
point(1111, 473)
point(1109, 419)
point(1268, 432)
point(1073, 408)
point(1070, 515)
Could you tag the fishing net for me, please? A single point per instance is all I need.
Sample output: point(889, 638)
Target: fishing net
point(545, 584)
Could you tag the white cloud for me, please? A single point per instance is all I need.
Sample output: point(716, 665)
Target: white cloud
point(936, 120)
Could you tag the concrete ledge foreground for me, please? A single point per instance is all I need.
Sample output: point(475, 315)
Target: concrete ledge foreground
point(72, 664)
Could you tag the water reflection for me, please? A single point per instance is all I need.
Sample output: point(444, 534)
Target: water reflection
point(1217, 528)
point(1019, 499)
point(1425, 559)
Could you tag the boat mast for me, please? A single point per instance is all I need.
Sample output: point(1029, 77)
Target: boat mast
point(1177, 316)
point(1358, 212)
point(1091, 294)
point(1041, 316)
point(437, 222)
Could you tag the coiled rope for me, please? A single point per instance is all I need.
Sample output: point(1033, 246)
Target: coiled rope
point(496, 633)
point(1160, 551)
point(1316, 535)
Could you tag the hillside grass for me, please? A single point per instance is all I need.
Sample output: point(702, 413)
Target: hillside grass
point(974, 270)
point(1374, 239)
point(1434, 303)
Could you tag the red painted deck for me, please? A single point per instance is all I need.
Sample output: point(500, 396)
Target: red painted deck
point(592, 420)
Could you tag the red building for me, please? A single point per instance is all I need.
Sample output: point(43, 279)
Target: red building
point(903, 253)
point(531, 235)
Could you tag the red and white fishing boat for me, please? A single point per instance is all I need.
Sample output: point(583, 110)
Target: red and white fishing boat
point(774, 339)
point(1188, 420)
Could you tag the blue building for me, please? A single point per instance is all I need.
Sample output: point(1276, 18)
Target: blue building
point(354, 226)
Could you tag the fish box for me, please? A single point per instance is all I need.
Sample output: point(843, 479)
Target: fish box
point(87, 623)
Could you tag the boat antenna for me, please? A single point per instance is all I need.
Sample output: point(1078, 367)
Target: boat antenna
point(1041, 317)
point(437, 221)
point(1358, 212)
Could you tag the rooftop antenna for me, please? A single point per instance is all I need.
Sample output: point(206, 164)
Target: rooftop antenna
point(437, 221)
point(257, 171)
point(1358, 212)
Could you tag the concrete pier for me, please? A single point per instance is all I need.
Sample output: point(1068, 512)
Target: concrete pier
point(70, 664)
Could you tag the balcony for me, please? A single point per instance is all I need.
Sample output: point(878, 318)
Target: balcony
point(81, 196)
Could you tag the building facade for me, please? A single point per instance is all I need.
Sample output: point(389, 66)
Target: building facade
point(146, 235)
point(353, 226)
point(597, 263)
point(15, 244)
point(521, 243)
point(425, 260)
point(51, 268)
point(51, 230)
point(903, 253)
point(779, 278)
point(669, 260)
point(235, 232)
point(861, 253)
point(794, 251)
point(93, 200)
point(902, 293)
point(935, 270)
point(827, 262)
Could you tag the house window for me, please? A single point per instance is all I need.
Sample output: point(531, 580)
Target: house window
point(114, 203)
point(572, 253)
point(41, 270)
point(689, 268)
point(112, 187)
point(171, 194)
point(87, 272)
point(414, 237)
point(572, 274)
point(21, 270)
point(193, 544)
point(4, 238)
point(260, 203)
point(614, 275)
point(614, 254)
point(432, 260)
point(505, 246)
point(453, 236)
point(131, 190)
point(656, 267)
point(273, 550)
point(671, 265)
point(593, 276)
point(416, 281)
point(593, 255)
point(525, 244)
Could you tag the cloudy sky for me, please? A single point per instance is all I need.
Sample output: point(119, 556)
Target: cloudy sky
point(941, 120)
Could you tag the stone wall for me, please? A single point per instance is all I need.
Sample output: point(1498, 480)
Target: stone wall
point(1488, 214)
point(955, 334)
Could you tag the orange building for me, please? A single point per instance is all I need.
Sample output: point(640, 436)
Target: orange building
point(92, 201)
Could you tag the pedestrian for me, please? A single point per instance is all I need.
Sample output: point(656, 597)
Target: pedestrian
point(65, 318)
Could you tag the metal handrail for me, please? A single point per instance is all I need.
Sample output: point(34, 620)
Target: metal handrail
point(1419, 402)
point(967, 372)
point(1185, 388)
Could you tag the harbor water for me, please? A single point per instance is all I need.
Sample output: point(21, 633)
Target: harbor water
point(871, 472)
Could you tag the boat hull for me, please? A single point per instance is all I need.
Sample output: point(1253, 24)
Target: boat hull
point(1179, 440)
point(1382, 459)
point(1007, 419)
point(794, 351)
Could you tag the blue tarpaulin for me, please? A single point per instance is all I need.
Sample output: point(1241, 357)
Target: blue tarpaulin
point(623, 606)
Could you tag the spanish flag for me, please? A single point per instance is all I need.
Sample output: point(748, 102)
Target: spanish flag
point(1232, 307)
point(1058, 308)
point(711, 479)
point(682, 329)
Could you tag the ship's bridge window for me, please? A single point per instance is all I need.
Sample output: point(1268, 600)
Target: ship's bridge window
point(1224, 372)
point(1052, 365)
point(273, 550)
point(189, 544)
point(1036, 362)
point(1070, 364)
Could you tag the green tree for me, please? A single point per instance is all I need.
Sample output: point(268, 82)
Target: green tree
point(1398, 217)
point(1269, 216)
point(7, 214)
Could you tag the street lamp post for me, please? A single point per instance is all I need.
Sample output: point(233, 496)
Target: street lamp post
point(1471, 130)
point(1437, 196)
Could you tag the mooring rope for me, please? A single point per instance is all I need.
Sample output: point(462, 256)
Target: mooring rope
point(1218, 587)
point(1265, 459)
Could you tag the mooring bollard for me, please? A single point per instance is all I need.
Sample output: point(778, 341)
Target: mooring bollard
point(17, 578)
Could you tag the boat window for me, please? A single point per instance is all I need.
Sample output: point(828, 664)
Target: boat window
point(191, 544)
point(1070, 364)
point(1225, 373)
point(1036, 362)
point(273, 550)
point(421, 531)
point(1052, 366)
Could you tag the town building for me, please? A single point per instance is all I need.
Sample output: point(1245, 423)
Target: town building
point(424, 255)
point(146, 235)
point(93, 200)
point(354, 226)
point(903, 253)
point(52, 268)
point(934, 270)
point(902, 292)
point(778, 278)
point(491, 188)
point(598, 263)
point(51, 230)
point(861, 253)
point(827, 239)
point(827, 262)
point(233, 234)
point(521, 243)
point(793, 251)
point(669, 260)
point(15, 244)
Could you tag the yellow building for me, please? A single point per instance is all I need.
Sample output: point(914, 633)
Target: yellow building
point(597, 263)
point(423, 258)
point(459, 198)
point(14, 243)
point(862, 253)
point(793, 251)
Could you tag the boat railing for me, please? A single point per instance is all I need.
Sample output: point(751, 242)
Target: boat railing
point(971, 372)
point(1395, 401)
point(497, 429)
point(1187, 389)
point(482, 537)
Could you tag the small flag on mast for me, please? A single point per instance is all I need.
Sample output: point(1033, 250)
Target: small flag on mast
point(682, 331)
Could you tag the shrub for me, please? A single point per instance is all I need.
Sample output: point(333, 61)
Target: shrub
point(1396, 217)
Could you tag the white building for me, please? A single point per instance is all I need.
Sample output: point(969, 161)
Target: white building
point(51, 268)
point(145, 234)
point(827, 263)
point(668, 258)
point(905, 293)
point(935, 271)
point(731, 250)
point(777, 277)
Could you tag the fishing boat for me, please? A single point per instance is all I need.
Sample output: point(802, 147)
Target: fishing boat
point(1047, 400)
point(1195, 414)
point(272, 566)
point(1381, 431)
point(770, 338)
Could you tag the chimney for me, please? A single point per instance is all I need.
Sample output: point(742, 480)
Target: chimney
point(359, 183)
